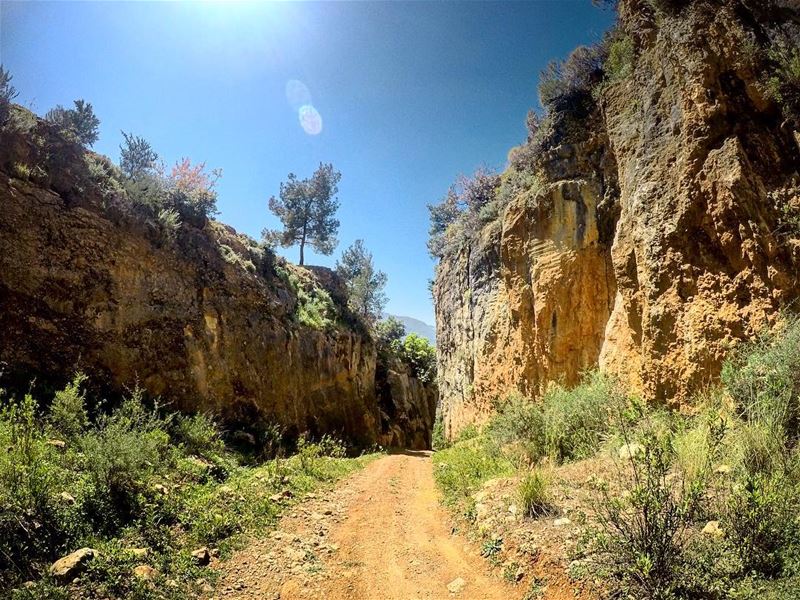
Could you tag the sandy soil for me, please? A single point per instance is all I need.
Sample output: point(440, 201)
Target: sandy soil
point(380, 534)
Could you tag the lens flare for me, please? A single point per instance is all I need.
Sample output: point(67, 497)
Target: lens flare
point(310, 119)
point(297, 94)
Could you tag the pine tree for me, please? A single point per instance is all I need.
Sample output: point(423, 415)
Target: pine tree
point(364, 283)
point(307, 209)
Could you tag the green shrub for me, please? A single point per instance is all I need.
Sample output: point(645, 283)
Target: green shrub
point(520, 422)
point(534, 494)
point(79, 123)
point(7, 93)
point(438, 441)
point(761, 517)
point(170, 222)
point(68, 415)
point(763, 378)
point(121, 455)
point(643, 532)
point(621, 58)
point(783, 85)
point(136, 156)
point(462, 468)
point(420, 355)
point(233, 258)
point(198, 434)
point(578, 419)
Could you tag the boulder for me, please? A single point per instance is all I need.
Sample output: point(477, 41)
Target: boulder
point(72, 565)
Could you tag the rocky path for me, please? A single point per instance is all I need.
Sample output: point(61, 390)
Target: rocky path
point(379, 535)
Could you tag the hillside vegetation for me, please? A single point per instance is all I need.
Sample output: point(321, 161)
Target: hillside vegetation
point(664, 505)
point(143, 500)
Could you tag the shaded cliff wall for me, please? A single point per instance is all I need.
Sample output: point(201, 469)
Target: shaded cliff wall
point(205, 320)
point(407, 406)
point(655, 243)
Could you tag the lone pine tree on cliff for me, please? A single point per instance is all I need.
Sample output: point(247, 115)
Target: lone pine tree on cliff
point(307, 209)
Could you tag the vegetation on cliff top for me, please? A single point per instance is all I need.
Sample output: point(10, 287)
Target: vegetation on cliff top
point(701, 506)
point(140, 486)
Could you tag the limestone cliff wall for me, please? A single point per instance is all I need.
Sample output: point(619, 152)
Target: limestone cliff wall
point(87, 283)
point(655, 243)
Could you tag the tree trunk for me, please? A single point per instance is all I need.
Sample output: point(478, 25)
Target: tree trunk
point(302, 243)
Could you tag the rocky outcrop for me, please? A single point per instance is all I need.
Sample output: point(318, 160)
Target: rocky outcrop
point(206, 320)
point(407, 406)
point(655, 243)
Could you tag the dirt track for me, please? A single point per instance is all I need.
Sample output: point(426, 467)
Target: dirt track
point(379, 535)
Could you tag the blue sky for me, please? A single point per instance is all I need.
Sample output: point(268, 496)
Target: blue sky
point(410, 95)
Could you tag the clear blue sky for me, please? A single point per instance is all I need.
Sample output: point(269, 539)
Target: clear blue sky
point(410, 95)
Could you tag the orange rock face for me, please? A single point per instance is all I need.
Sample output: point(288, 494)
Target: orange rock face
point(655, 244)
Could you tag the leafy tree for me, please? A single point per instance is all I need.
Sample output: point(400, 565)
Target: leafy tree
point(390, 331)
point(364, 283)
point(307, 209)
point(7, 93)
point(419, 354)
point(137, 156)
point(79, 122)
point(191, 189)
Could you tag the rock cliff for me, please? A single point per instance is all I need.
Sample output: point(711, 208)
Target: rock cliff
point(205, 319)
point(660, 232)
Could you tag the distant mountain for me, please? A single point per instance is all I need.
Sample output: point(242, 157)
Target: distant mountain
point(413, 325)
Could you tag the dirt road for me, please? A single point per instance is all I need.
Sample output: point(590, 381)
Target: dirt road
point(379, 535)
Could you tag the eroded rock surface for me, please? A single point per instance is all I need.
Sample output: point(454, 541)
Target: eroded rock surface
point(655, 244)
point(206, 320)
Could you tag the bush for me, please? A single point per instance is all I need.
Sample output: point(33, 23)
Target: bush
point(763, 378)
point(761, 517)
point(198, 434)
point(621, 58)
point(7, 93)
point(79, 123)
point(534, 494)
point(461, 469)
point(314, 306)
point(137, 156)
point(121, 454)
point(783, 84)
point(68, 414)
point(567, 86)
point(170, 222)
point(456, 219)
point(420, 355)
point(644, 531)
point(519, 422)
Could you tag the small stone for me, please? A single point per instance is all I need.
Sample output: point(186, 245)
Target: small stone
point(455, 586)
point(201, 557)
point(713, 529)
point(512, 509)
point(630, 450)
point(67, 498)
point(66, 568)
point(145, 572)
point(561, 522)
point(285, 494)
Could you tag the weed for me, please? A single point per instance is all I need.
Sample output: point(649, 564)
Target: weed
point(534, 494)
